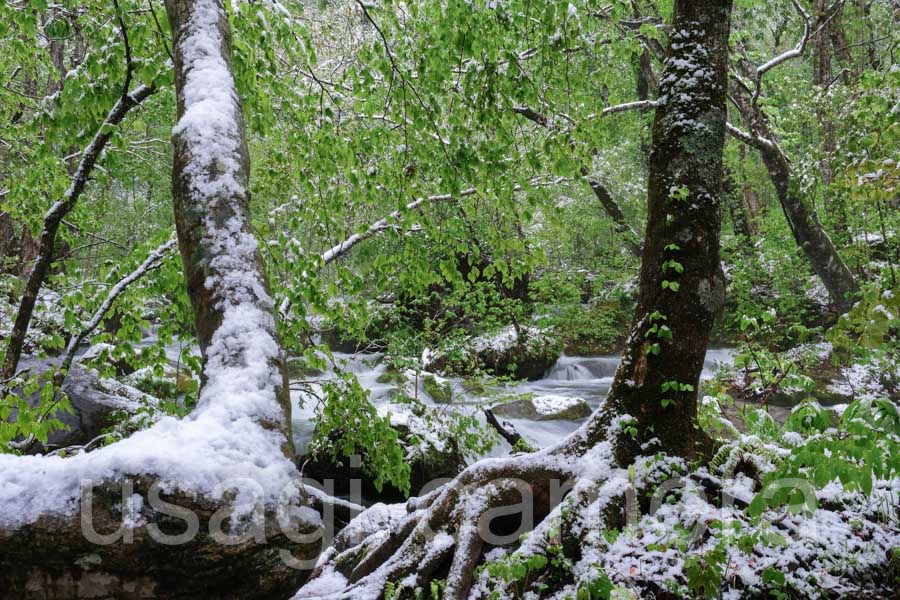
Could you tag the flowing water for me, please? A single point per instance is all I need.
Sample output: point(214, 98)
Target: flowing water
point(587, 377)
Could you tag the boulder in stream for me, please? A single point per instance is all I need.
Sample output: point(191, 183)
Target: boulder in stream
point(544, 408)
point(95, 403)
point(524, 354)
point(438, 388)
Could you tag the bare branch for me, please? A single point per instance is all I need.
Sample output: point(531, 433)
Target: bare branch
point(385, 223)
point(794, 52)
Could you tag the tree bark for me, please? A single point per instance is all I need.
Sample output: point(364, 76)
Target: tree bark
point(808, 232)
point(682, 287)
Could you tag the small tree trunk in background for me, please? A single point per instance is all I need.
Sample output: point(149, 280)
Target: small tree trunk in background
point(750, 200)
point(808, 232)
point(737, 208)
point(834, 204)
point(841, 47)
point(682, 287)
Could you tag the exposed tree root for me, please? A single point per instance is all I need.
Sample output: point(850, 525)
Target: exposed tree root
point(445, 534)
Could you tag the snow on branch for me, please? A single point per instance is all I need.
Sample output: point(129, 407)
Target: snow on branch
point(637, 105)
point(626, 106)
point(385, 223)
point(755, 141)
point(153, 261)
point(794, 52)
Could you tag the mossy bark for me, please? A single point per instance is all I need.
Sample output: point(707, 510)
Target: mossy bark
point(682, 287)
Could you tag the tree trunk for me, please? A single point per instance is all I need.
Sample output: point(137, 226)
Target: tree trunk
point(818, 248)
point(237, 438)
point(822, 80)
point(841, 47)
point(682, 287)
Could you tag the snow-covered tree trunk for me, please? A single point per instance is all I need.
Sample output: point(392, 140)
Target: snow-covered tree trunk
point(226, 279)
point(682, 288)
point(209, 505)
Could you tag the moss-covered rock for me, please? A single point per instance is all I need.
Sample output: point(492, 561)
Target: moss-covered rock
point(391, 376)
point(544, 408)
point(523, 354)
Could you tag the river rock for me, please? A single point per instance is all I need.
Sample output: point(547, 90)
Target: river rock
point(545, 408)
point(431, 454)
point(104, 352)
point(521, 355)
point(94, 402)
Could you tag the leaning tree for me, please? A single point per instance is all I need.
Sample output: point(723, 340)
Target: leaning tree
point(652, 404)
point(186, 508)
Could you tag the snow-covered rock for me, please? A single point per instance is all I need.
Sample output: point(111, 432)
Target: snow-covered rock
point(544, 408)
point(524, 355)
point(94, 403)
point(104, 352)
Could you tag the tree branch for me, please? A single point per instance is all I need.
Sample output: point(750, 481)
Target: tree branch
point(626, 106)
point(56, 214)
point(760, 143)
point(153, 261)
point(378, 226)
point(632, 239)
point(794, 52)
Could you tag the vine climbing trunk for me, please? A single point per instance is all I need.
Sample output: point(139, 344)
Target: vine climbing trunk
point(682, 286)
